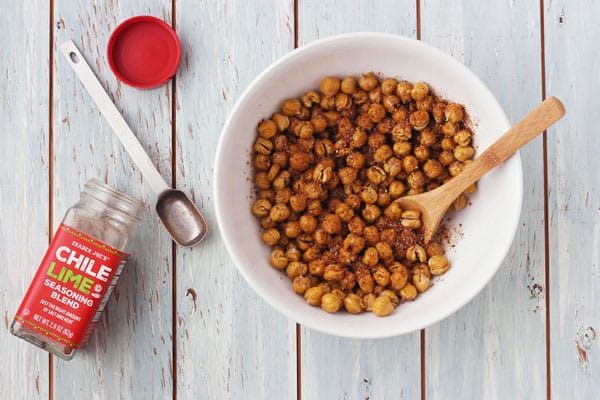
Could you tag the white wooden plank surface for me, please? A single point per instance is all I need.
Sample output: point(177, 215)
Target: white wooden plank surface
point(24, 110)
point(572, 65)
point(495, 346)
point(230, 344)
point(131, 353)
point(339, 368)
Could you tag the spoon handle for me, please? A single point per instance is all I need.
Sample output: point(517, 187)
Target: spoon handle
point(114, 118)
point(531, 125)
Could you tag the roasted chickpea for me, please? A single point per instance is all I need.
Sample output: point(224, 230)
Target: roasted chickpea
point(402, 148)
point(308, 223)
point(352, 201)
point(438, 264)
point(329, 86)
point(416, 253)
point(390, 102)
point(348, 175)
point(370, 257)
point(353, 304)
point(301, 284)
point(262, 162)
point(298, 202)
point(396, 189)
point(348, 85)
point(446, 158)
point(454, 112)
point(271, 236)
point(408, 292)
point(292, 229)
point(382, 306)
point(381, 276)
point(464, 153)
point(432, 168)
point(296, 268)
point(343, 101)
point(291, 107)
point(354, 243)
point(376, 174)
point(388, 86)
point(365, 281)
point(279, 212)
point(411, 219)
point(261, 208)
point(371, 234)
point(419, 91)
point(401, 131)
point(399, 277)
point(313, 295)
point(456, 168)
point(421, 153)
point(360, 97)
point(293, 253)
point(419, 120)
point(267, 128)
point(421, 277)
point(449, 129)
point(330, 303)
point(348, 281)
point(355, 160)
point(376, 112)
point(403, 90)
point(460, 202)
point(393, 211)
point(448, 143)
point(371, 213)
point(278, 259)
point(463, 137)
point(311, 97)
point(356, 225)
point(282, 121)
point(385, 251)
point(314, 208)
point(382, 153)
point(263, 146)
point(344, 212)
point(409, 164)
point(359, 138)
point(367, 81)
point(332, 223)
point(415, 180)
point(299, 161)
point(333, 272)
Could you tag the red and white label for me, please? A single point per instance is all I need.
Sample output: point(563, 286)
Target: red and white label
point(69, 286)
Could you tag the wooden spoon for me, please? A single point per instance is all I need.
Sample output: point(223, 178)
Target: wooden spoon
point(433, 205)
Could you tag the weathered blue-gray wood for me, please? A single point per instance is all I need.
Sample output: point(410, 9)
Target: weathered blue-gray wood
point(572, 65)
point(24, 160)
point(495, 346)
point(339, 368)
point(230, 344)
point(131, 352)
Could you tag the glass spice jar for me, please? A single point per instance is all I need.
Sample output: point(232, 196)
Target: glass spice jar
point(79, 271)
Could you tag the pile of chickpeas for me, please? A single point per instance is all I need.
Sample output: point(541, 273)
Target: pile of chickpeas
point(327, 169)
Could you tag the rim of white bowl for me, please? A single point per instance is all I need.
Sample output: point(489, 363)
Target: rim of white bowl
point(434, 316)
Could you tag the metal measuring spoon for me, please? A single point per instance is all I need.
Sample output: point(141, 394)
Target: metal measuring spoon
point(178, 213)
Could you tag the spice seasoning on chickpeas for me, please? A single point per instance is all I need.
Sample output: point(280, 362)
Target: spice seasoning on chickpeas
point(327, 169)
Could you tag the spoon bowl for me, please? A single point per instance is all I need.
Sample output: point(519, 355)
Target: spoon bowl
point(181, 218)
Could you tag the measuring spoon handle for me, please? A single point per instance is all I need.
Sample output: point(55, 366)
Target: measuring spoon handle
point(113, 116)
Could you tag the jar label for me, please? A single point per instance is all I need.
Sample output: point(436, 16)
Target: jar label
point(70, 286)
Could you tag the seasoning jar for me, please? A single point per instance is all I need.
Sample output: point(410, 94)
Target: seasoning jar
point(79, 271)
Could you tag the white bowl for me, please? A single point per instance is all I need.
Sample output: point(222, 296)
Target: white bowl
point(487, 226)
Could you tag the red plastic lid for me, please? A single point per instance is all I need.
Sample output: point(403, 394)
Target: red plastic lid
point(144, 52)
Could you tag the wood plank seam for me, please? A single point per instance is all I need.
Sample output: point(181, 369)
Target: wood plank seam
point(173, 245)
point(50, 163)
point(546, 211)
